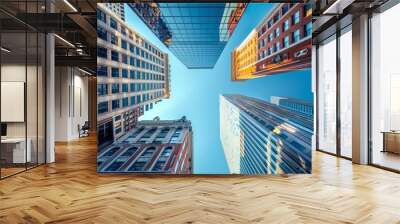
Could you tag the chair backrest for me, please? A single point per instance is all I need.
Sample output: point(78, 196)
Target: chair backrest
point(86, 124)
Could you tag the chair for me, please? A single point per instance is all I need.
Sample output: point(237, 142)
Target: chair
point(84, 130)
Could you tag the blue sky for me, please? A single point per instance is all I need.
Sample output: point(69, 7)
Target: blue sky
point(195, 92)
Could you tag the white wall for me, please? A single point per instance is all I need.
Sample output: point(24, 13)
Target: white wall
point(71, 103)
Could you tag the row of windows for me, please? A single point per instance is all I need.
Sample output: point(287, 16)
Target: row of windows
point(126, 73)
point(101, 16)
point(116, 56)
point(276, 33)
point(295, 18)
point(116, 104)
point(285, 42)
point(102, 88)
point(103, 34)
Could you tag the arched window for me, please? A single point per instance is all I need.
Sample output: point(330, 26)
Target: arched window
point(162, 160)
point(148, 152)
point(130, 151)
point(141, 162)
point(167, 152)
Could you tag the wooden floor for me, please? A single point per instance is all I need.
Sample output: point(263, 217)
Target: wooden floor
point(70, 191)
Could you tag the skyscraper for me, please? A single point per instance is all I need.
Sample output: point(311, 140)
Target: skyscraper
point(195, 32)
point(283, 43)
point(117, 8)
point(132, 76)
point(259, 137)
point(154, 146)
point(244, 58)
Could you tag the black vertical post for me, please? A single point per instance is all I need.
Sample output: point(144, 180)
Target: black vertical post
point(26, 85)
point(338, 73)
point(316, 98)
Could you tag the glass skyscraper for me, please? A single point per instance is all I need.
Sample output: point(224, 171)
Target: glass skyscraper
point(195, 32)
point(259, 137)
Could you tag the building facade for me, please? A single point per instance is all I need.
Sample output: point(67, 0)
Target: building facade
point(117, 8)
point(244, 58)
point(283, 41)
point(132, 75)
point(297, 105)
point(264, 138)
point(154, 146)
point(198, 42)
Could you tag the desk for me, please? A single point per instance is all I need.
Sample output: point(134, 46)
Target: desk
point(391, 141)
point(13, 150)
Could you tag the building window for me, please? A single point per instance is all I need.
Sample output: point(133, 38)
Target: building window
point(114, 39)
point(124, 73)
point(277, 32)
point(149, 133)
point(115, 72)
point(307, 10)
point(102, 52)
point(278, 46)
point(102, 107)
point(125, 88)
point(271, 37)
point(124, 58)
point(308, 29)
point(113, 24)
point(102, 89)
point(115, 104)
point(102, 33)
point(132, 87)
point(285, 9)
point(286, 25)
point(296, 36)
point(132, 74)
point(124, 44)
point(270, 23)
point(296, 17)
point(115, 88)
point(133, 100)
point(176, 136)
point(286, 42)
point(101, 16)
point(125, 102)
point(102, 71)
point(114, 56)
point(159, 166)
point(132, 61)
point(131, 48)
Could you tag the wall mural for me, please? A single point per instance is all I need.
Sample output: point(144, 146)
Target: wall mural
point(204, 88)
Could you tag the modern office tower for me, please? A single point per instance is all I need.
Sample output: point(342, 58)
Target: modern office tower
point(244, 58)
point(259, 137)
point(283, 42)
point(117, 8)
point(297, 105)
point(132, 75)
point(195, 32)
point(153, 146)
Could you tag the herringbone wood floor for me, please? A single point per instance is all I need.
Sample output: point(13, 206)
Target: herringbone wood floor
point(70, 191)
